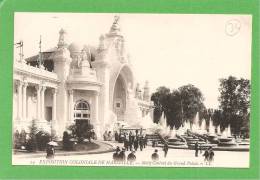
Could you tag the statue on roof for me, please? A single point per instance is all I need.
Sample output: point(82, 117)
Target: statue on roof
point(85, 57)
point(62, 38)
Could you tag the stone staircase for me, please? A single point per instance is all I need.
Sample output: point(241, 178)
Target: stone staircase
point(154, 137)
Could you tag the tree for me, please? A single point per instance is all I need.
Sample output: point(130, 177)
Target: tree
point(234, 102)
point(32, 142)
point(191, 100)
point(160, 99)
point(179, 105)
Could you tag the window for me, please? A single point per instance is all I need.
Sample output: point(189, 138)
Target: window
point(82, 110)
point(86, 115)
point(118, 105)
point(82, 105)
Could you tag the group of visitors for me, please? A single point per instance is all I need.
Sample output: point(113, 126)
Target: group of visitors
point(107, 136)
point(134, 141)
point(209, 155)
point(120, 155)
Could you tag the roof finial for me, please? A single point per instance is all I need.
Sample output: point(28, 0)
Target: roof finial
point(40, 60)
point(115, 28)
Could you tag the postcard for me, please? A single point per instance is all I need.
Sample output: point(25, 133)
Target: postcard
point(135, 90)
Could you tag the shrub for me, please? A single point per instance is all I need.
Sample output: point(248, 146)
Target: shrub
point(42, 138)
point(67, 144)
point(81, 130)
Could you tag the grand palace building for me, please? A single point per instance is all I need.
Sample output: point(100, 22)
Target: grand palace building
point(70, 83)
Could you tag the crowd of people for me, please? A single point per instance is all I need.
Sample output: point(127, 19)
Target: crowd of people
point(132, 141)
point(120, 155)
point(140, 142)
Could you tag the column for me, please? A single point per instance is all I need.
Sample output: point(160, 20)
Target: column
point(42, 103)
point(71, 107)
point(97, 123)
point(20, 100)
point(54, 104)
point(38, 89)
point(54, 113)
point(25, 84)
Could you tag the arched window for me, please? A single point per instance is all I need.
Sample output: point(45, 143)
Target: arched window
point(82, 105)
point(82, 110)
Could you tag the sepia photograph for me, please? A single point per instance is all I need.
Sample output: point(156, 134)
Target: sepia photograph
point(133, 90)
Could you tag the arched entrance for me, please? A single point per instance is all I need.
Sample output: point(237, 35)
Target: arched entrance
point(82, 111)
point(82, 119)
point(119, 101)
point(121, 85)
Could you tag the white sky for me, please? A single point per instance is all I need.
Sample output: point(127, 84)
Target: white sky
point(167, 49)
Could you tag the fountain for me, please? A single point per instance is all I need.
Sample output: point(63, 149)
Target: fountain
point(226, 139)
point(212, 136)
point(203, 124)
point(195, 125)
point(190, 133)
point(175, 140)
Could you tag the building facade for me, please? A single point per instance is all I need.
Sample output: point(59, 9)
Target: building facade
point(68, 83)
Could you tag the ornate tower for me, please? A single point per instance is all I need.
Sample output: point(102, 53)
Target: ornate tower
point(62, 62)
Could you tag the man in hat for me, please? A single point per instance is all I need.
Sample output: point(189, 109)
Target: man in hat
point(155, 156)
point(196, 149)
point(141, 143)
point(131, 157)
point(136, 143)
point(122, 155)
point(50, 151)
point(211, 155)
point(165, 149)
point(116, 154)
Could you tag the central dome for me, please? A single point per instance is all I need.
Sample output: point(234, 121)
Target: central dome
point(75, 47)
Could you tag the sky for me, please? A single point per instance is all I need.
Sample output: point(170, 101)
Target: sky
point(169, 50)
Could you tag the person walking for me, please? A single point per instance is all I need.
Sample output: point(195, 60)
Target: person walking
point(136, 144)
point(155, 156)
point(116, 154)
point(131, 157)
point(50, 152)
point(126, 143)
point(211, 155)
point(165, 149)
point(116, 136)
point(141, 143)
point(145, 141)
point(105, 135)
point(130, 142)
point(122, 155)
point(206, 155)
point(196, 149)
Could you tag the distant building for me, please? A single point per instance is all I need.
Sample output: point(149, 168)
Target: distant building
point(71, 83)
